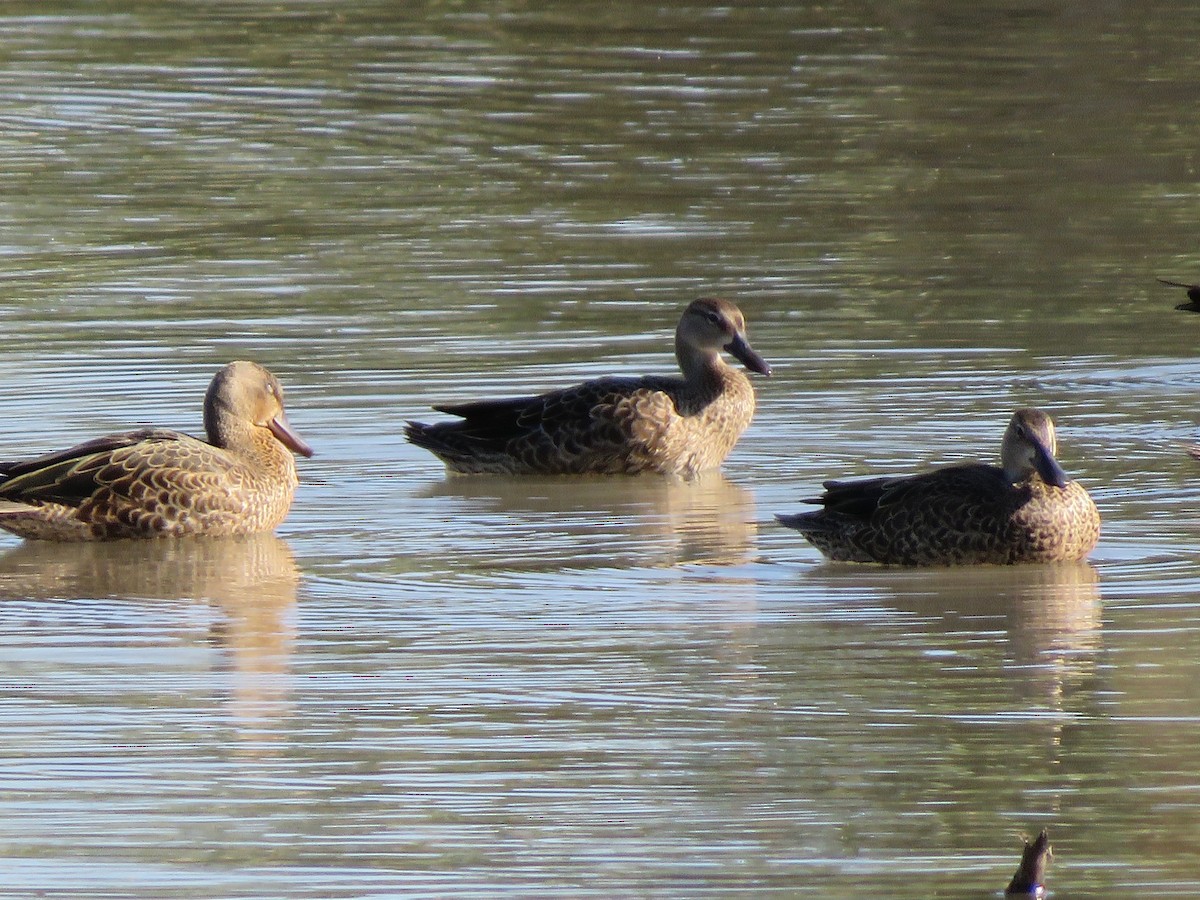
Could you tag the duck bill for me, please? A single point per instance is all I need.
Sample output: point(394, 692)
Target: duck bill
point(746, 355)
point(1047, 466)
point(283, 433)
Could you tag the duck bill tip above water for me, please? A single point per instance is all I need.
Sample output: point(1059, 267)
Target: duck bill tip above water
point(283, 433)
point(747, 356)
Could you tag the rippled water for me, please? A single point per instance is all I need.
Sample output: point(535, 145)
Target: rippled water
point(930, 213)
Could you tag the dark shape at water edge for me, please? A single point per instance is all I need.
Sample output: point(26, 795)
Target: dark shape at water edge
point(1193, 294)
point(1029, 880)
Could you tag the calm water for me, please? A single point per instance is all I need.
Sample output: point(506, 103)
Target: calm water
point(930, 213)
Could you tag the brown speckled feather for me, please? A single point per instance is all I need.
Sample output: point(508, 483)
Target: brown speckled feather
point(154, 482)
point(960, 515)
point(614, 426)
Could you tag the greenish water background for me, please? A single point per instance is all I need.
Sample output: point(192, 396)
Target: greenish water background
point(931, 213)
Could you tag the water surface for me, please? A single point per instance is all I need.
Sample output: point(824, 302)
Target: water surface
point(431, 687)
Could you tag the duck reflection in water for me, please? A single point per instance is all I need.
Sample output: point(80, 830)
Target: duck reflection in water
point(250, 581)
point(1049, 616)
point(649, 521)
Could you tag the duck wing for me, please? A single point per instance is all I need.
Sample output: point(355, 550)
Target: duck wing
point(930, 494)
point(557, 431)
point(73, 475)
point(554, 407)
point(969, 484)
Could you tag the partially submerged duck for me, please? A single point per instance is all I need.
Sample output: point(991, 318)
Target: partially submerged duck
point(1193, 294)
point(610, 426)
point(1025, 510)
point(1030, 878)
point(154, 482)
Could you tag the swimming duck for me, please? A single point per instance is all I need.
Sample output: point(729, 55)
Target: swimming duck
point(1025, 510)
point(153, 482)
point(610, 426)
point(1193, 294)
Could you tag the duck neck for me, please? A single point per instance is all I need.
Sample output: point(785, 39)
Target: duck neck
point(703, 368)
point(224, 429)
point(216, 425)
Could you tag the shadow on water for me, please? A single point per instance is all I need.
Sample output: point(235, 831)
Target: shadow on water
point(636, 521)
point(251, 582)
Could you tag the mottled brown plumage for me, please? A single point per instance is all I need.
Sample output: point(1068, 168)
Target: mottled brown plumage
point(1023, 511)
point(611, 426)
point(154, 482)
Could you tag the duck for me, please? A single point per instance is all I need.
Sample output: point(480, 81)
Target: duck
point(1030, 878)
point(670, 425)
point(1024, 510)
point(155, 482)
point(1193, 294)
